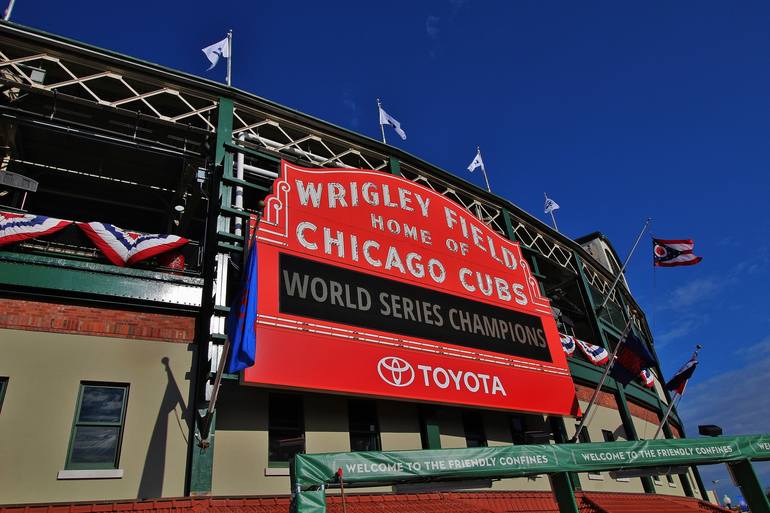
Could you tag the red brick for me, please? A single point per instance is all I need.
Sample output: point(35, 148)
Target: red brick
point(58, 318)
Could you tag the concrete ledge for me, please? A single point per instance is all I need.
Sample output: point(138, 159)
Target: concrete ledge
point(116, 473)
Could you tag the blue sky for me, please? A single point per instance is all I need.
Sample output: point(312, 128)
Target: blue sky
point(619, 110)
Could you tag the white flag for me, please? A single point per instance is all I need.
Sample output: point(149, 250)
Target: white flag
point(217, 50)
point(387, 119)
point(477, 162)
point(550, 205)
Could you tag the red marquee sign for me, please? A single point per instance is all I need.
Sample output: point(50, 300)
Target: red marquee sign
point(373, 285)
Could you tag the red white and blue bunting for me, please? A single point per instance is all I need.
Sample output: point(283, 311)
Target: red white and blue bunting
point(122, 247)
point(595, 354)
point(648, 378)
point(567, 343)
point(598, 356)
point(18, 227)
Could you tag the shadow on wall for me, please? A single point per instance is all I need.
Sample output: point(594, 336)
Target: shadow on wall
point(151, 484)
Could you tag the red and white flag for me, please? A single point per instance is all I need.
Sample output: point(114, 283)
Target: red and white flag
point(671, 253)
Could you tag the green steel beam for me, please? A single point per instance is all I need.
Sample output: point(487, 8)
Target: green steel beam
point(394, 166)
point(509, 225)
point(563, 492)
point(62, 274)
point(202, 459)
point(746, 479)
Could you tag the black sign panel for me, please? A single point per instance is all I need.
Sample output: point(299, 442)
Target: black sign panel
point(325, 292)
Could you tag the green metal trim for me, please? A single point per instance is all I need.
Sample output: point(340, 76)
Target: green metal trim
point(432, 430)
point(3, 388)
point(229, 247)
point(243, 183)
point(200, 471)
point(234, 212)
point(394, 166)
point(236, 148)
point(563, 492)
point(509, 225)
point(746, 479)
point(77, 423)
point(202, 464)
point(230, 236)
point(62, 274)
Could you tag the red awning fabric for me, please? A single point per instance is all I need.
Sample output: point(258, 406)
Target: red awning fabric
point(443, 502)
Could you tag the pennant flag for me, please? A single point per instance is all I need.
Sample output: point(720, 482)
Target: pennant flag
point(648, 378)
point(387, 119)
point(122, 247)
point(550, 205)
point(477, 163)
point(595, 354)
point(671, 253)
point(679, 381)
point(632, 357)
point(18, 227)
point(567, 343)
point(215, 51)
point(242, 320)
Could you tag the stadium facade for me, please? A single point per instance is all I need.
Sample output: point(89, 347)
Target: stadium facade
point(106, 368)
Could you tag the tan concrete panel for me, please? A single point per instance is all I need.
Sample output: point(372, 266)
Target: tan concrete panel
point(451, 427)
point(45, 371)
point(326, 424)
point(240, 449)
point(399, 425)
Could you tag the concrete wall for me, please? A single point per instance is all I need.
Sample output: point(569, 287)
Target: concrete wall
point(45, 371)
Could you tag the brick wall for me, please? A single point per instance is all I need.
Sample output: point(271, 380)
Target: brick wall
point(643, 413)
point(60, 318)
point(605, 399)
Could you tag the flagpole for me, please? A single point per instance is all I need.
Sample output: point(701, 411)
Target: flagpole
point(478, 150)
point(610, 363)
point(622, 269)
point(379, 119)
point(671, 404)
point(8, 10)
point(230, 57)
point(553, 217)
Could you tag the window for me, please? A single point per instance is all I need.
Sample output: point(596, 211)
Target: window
point(3, 386)
point(518, 430)
point(364, 427)
point(530, 429)
point(98, 427)
point(286, 429)
point(474, 430)
point(608, 435)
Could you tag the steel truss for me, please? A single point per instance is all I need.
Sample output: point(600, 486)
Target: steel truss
point(103, 86)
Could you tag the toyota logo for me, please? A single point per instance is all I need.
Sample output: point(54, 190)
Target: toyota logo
point(395, 371)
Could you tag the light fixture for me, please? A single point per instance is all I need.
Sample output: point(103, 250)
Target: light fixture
point(36, 75)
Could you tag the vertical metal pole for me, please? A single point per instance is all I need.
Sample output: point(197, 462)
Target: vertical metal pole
point(483, 170)
point(553, 217)
point(8, 10)
point(623, 269)
point(379, 120)
point(606, 373)
point(229, 58)
point(679, 396)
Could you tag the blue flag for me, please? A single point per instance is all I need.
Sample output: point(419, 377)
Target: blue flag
point(241, 322)
point(632, 357)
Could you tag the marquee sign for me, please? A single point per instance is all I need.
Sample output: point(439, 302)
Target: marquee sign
point(371, 284)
